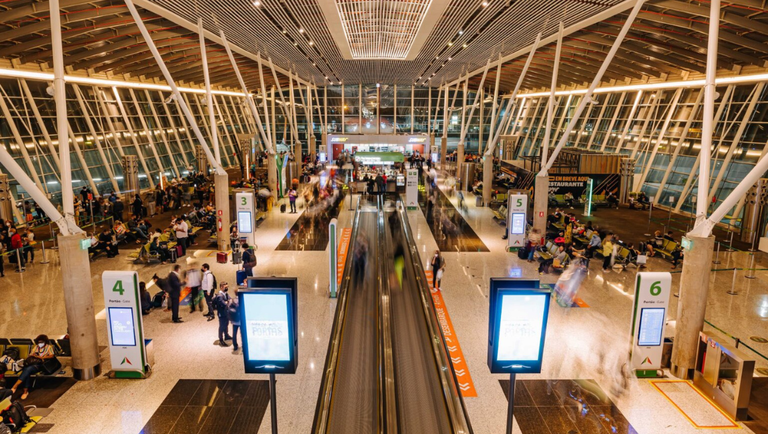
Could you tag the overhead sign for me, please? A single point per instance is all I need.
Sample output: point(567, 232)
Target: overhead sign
point(516, 220)
point(517, 326)
point(127, 350)
point(269, 317)
point(652, 291)
point(412, 188)
point(246, 212)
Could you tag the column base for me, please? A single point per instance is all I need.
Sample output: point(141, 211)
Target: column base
point(681, 372)
point(86, 374)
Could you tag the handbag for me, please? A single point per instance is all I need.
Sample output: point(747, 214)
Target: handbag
point(51, 366)
point(439, 274)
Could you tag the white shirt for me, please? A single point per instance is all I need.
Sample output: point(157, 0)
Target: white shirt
point(207, 281)
point(193, 277)
point(181, 229)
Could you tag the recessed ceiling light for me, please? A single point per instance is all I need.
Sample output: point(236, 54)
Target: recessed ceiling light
point(437, 57)
point(485, 4)
point(301, 29)
point(314, 64)
point(311, 43)
point(295, 44)
point(419, 78)
point(450, 58)
point(450, 44)
point(464, 46)
point(285, 31)
point(257, 3)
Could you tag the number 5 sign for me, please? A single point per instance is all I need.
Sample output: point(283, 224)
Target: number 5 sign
point(652, 292)
point(517, 219)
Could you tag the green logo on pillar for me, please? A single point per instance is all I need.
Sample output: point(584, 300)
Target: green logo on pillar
point(125, 360)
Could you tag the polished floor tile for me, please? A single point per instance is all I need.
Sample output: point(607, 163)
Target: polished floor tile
point(310, 231)
point(450, 229)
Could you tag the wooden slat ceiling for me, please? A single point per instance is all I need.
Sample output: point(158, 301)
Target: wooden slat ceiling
point(102, 36)
point(668, 37)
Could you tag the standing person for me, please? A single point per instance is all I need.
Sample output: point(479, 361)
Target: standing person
point(607, 252)
point(234, 318)
point(136, 206)
point(194, 281)
point(292, 199)
point(117, 209)
point(249, 260)
point(181, 228)
point(438, 265)
point(2, 250)
point(174, 292)
point(208, 286)
point(221, 304)
point(16, 245)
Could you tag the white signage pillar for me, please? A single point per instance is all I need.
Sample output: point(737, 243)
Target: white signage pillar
point(246, 216)
point(127, 348)
point(412, 188)
point(652, 290)
point(517, 219)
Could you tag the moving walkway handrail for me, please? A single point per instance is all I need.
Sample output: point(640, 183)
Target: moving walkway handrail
point(387, 405)
point(453, 398)
point(325, 396)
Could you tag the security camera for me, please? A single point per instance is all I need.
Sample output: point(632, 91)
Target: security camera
point(169, 99)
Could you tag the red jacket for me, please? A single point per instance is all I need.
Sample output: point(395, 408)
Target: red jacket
point(16, 241)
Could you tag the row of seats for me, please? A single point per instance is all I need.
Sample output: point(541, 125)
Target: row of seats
point(61, 348)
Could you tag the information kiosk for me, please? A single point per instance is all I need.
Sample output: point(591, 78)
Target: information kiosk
point(127, 347)
point(245, 210)
point(652, 292)
point(517, 220)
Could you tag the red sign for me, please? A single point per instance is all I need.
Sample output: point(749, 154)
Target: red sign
point(221, 212)
point(541, 213)
point(219, 225)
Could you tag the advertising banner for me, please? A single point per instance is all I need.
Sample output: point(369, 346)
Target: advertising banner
point(127, 350)
point(577, 184)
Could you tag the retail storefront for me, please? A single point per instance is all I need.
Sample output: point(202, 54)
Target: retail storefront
point(404, 144)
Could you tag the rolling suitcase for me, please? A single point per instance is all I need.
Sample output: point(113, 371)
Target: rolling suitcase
point(282, 208)
point(221, 257)
point(237, 257)
point(240, 277)
point(173, 255)
point(179, 250)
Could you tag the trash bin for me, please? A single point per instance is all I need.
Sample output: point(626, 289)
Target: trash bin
point(467, 176)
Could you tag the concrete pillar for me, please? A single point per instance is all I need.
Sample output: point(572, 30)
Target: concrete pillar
point(272, 173)
point(78, 302)
point(221, 190)
point(487, 179)
point(459, 158)
point(430, 146)
point(540, 202)
point(443, 151)
point(692, 305)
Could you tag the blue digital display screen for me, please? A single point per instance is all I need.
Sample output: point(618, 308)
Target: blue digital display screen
point(244, 222)
point(122, 327)
point(518, 223)
point(266, 323)
point(651, 327)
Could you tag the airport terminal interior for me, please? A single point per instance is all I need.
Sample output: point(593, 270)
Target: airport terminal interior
point(384, 216)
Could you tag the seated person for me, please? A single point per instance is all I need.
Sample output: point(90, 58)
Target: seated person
point(677, 256)
point(643, 200)
point(34, 364)
point(568, 198)
point(655, 243)
point(160, 248)
point(612, 200)
point(121, 232)
point(559, 256)
point(669, 236)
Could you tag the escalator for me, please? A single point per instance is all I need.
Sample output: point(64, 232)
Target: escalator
point(387, 369)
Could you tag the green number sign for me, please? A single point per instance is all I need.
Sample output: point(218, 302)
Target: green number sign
point(656, 288)
point(118, 287)
point(243, 200)
point(519, 202)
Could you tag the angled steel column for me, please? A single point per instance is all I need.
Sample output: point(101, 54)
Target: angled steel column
point(608, 130)
point(596, 127)
point(628, 124)
point(494, 109)
point(225, 134)
point(176, 132)
point(133, 135)
point(649, 161)
point(160, 126)
point(40, 122)
point(87, 117)
point(150, 134)
point(214, 134)
point(108, 116)
point(679, 146)
point(287, 108)
point(169, 79)
point(588, 96)
point(20, 144)
point(264, 97)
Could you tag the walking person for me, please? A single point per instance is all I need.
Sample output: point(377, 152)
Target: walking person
point(174, 292)
point(234, 318)
point(607, 252)
point(438, 265)
point(208, 286)
point(182, 234)
point(221, 304)
point(292, 194)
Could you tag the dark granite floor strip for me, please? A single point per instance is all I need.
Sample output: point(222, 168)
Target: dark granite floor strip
point(310, 231)
point(211, 406)
point(448, 226)
point(565, 406)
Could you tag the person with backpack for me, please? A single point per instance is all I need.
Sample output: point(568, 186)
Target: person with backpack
point(208, 286)
point(249, 260)
point(234, 317)
point(33, 364)
point(221, 304)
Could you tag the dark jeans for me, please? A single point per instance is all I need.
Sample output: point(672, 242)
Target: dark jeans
point(184, 243)
point(235, 329)
point(223, 329)
point(209, 303)
point(174, 305)
point(27, 373)
point(607, 262)
point(293, 206)
point(28, 252)
point(195, 291)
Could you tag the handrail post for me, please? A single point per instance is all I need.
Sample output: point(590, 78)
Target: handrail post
point(45, 259)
